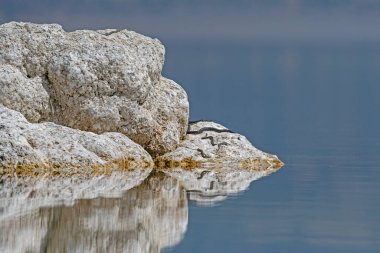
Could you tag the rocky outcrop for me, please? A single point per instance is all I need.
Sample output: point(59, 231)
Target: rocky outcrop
point(50, 149)
point(208, 144)
point(81, 115)
point(98, 81)
point(82, 103)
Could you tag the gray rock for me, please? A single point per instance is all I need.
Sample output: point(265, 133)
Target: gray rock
point(26, 95)
point(208, 144)
point(30, 149)
point(98, 81)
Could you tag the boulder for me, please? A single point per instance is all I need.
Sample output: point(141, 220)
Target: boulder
point(208, 144)
point(98, 81)
point(30, 149)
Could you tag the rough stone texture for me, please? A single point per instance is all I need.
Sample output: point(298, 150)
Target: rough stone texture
point(99, 81)
point(23, 94)
point(50, 149)
point(208, 144)
point(147, 218)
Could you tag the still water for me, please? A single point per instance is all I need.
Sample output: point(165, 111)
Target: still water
point(315, 106)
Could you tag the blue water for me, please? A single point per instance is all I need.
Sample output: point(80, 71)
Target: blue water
point(303, 83)
point(317, 107)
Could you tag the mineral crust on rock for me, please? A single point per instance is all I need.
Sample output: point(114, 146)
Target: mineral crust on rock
point(98, 81)
point(208, 144)
point(50, 149)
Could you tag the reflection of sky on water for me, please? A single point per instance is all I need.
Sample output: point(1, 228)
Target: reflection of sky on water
point(300, 79)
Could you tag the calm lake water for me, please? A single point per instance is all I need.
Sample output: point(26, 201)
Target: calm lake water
point(315, 106)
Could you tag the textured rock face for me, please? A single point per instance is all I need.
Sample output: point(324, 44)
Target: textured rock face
point(68, 101)
point(221, 162)
point(47, 148)
point(208, 144)
point(23, 94)
point(99, 81)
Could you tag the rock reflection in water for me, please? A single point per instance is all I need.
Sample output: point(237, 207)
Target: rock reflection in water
point(22, 195)
point(146, 218)
point(208, 186)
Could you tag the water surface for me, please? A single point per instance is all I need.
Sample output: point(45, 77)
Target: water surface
point(317, 107)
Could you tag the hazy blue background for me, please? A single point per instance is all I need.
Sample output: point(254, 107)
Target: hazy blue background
point(299, 78)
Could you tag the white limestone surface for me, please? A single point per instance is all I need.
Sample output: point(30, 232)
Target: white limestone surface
point(98, 81)
point(31, 149)
point(208, 144)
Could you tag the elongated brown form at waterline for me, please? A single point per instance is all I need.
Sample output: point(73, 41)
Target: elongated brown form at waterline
point(46, 169)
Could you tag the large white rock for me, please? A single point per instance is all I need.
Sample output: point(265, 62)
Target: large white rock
point(208, 144)
point(30, 149)
point(99, 81)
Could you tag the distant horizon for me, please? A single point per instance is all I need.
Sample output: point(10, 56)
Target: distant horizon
point(287, 21)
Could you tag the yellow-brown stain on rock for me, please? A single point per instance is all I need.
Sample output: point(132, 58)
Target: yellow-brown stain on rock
point(46, 168)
